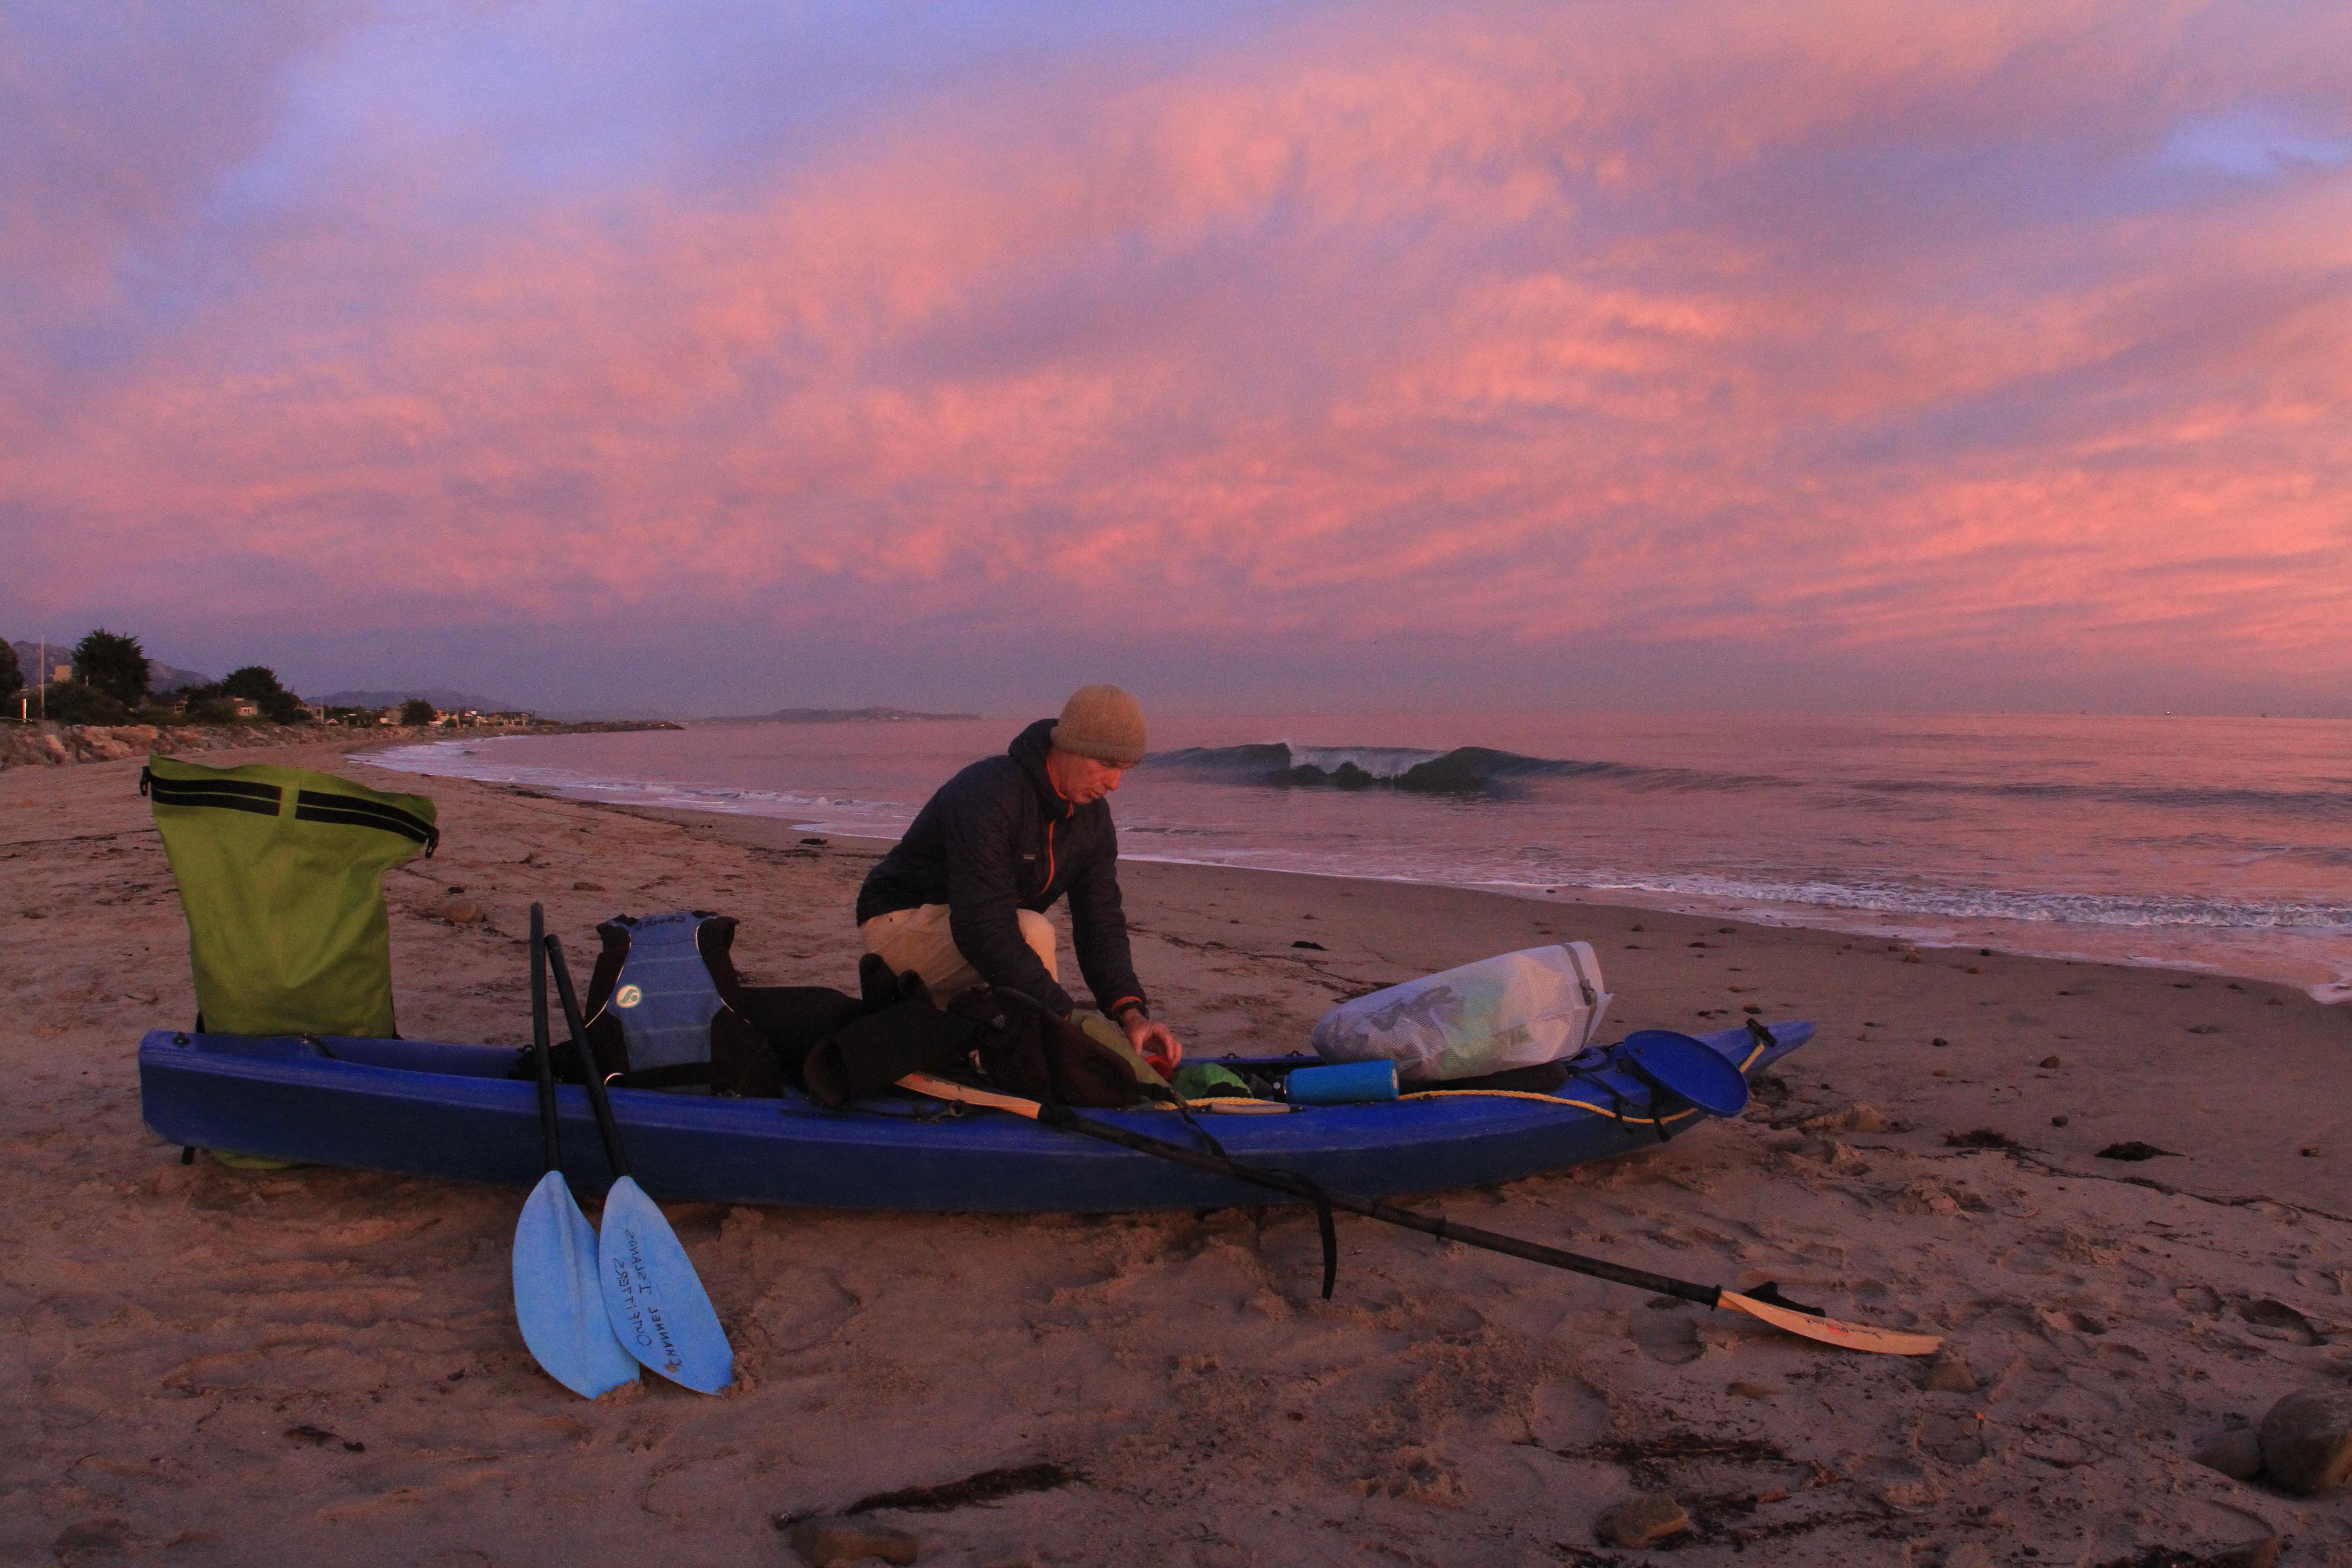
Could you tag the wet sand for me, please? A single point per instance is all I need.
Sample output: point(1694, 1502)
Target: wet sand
point(221, 1367)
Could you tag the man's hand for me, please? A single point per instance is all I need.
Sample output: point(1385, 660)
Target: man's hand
point(1152, 1041)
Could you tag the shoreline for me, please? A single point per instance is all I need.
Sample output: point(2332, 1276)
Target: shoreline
point(343, 1342)
point(2213, 950)
point(46, 743)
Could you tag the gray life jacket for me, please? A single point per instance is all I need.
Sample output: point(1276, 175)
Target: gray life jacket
point(666, 1008)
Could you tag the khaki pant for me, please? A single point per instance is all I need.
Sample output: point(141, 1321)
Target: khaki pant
point(919, 939)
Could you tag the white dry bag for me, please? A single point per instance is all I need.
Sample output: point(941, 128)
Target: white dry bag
point(1520, 1009)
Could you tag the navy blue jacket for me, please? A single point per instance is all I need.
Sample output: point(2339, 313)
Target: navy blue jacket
point(999, 837)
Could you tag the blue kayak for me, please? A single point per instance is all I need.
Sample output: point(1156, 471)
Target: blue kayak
point(428, 1109)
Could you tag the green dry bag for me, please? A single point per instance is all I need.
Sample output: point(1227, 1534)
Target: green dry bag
point(279, 871)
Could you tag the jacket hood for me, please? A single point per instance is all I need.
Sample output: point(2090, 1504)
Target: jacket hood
point(1029, 749)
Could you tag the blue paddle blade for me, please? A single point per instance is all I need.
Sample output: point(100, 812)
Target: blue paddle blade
point(557, 1300)
point(654, 1296)
point(1690, 1068)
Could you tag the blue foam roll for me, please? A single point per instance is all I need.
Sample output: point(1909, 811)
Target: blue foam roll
point(1353, 1083)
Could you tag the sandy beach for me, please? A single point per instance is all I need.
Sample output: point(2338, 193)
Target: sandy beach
point(213, 1366)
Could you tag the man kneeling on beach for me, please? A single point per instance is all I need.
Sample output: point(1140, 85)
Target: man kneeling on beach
point(961, 900)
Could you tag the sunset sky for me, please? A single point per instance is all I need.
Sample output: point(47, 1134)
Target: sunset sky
point(715, 357)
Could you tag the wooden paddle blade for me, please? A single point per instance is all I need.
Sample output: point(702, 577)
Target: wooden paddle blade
point(1830, 1331)
point(965, 1094)
point(558, 1302)
point(654, 1296)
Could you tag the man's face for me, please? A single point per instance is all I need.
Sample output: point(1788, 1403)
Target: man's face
point(1082, 780)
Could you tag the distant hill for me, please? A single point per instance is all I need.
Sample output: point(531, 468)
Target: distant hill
point(441, 697)
point(834, 716)
point(160, 676)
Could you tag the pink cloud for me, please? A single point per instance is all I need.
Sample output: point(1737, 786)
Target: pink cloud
point(1831, 327)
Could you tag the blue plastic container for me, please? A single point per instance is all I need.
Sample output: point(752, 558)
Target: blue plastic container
point(1352, 1083)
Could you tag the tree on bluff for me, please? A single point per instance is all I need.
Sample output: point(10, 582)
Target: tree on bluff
point(416, 710)
point(258, 684)
point(12, 674)
point(113, 665)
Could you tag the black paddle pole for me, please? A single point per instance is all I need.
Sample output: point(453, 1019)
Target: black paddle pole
point(606, 1128)
point(1444, 1230)
point(551, 1135)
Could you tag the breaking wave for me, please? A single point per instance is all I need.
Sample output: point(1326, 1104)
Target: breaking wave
point(1483, 770)
point(1465, 769)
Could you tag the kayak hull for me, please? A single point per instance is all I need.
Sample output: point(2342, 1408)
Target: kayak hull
point(431, 1108)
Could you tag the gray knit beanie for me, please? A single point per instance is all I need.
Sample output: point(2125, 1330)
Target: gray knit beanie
point(1102, 722)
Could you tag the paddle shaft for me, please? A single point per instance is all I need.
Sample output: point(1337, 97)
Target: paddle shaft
point(1370, 1208)
point(1766, 1304)
point(606, 1128)
point(550, 1137)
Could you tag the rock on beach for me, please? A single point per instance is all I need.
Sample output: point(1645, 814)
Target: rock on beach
point(2306, 1440)
point(825, 1540)
point(1644, 1522)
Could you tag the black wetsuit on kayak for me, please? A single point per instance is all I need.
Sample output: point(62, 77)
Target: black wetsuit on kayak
point(999, 837)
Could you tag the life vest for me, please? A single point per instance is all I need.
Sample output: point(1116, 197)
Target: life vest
point(666, 1010)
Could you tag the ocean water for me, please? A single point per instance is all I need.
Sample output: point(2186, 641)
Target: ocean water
point(2209, 842)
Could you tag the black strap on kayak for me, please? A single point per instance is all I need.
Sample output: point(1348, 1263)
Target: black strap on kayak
point(1762, 1037)
point(1056, 1114)
point(1326, 1200)
point(1289, 1181)
point(1330, 1232)
point(1659, 1095)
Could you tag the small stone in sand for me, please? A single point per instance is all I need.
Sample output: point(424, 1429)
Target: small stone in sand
point(1939, 1040)
point(1749, 1391)
point(587, 887)
point(2236, 1454)
point(1303, 943)
point(1982, 1138)
point(79, 1543)
point(461, 912)
point(813, 841)
point(2136, 1150)
point(2306, 1440)
point(2050, 1062)
point(1949, 1374)
point(824, 1541)
point(2311, 1154)
point(2058, 1122)
point(1644, 1522)
point(2253, 1554)
point(319, 1438)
